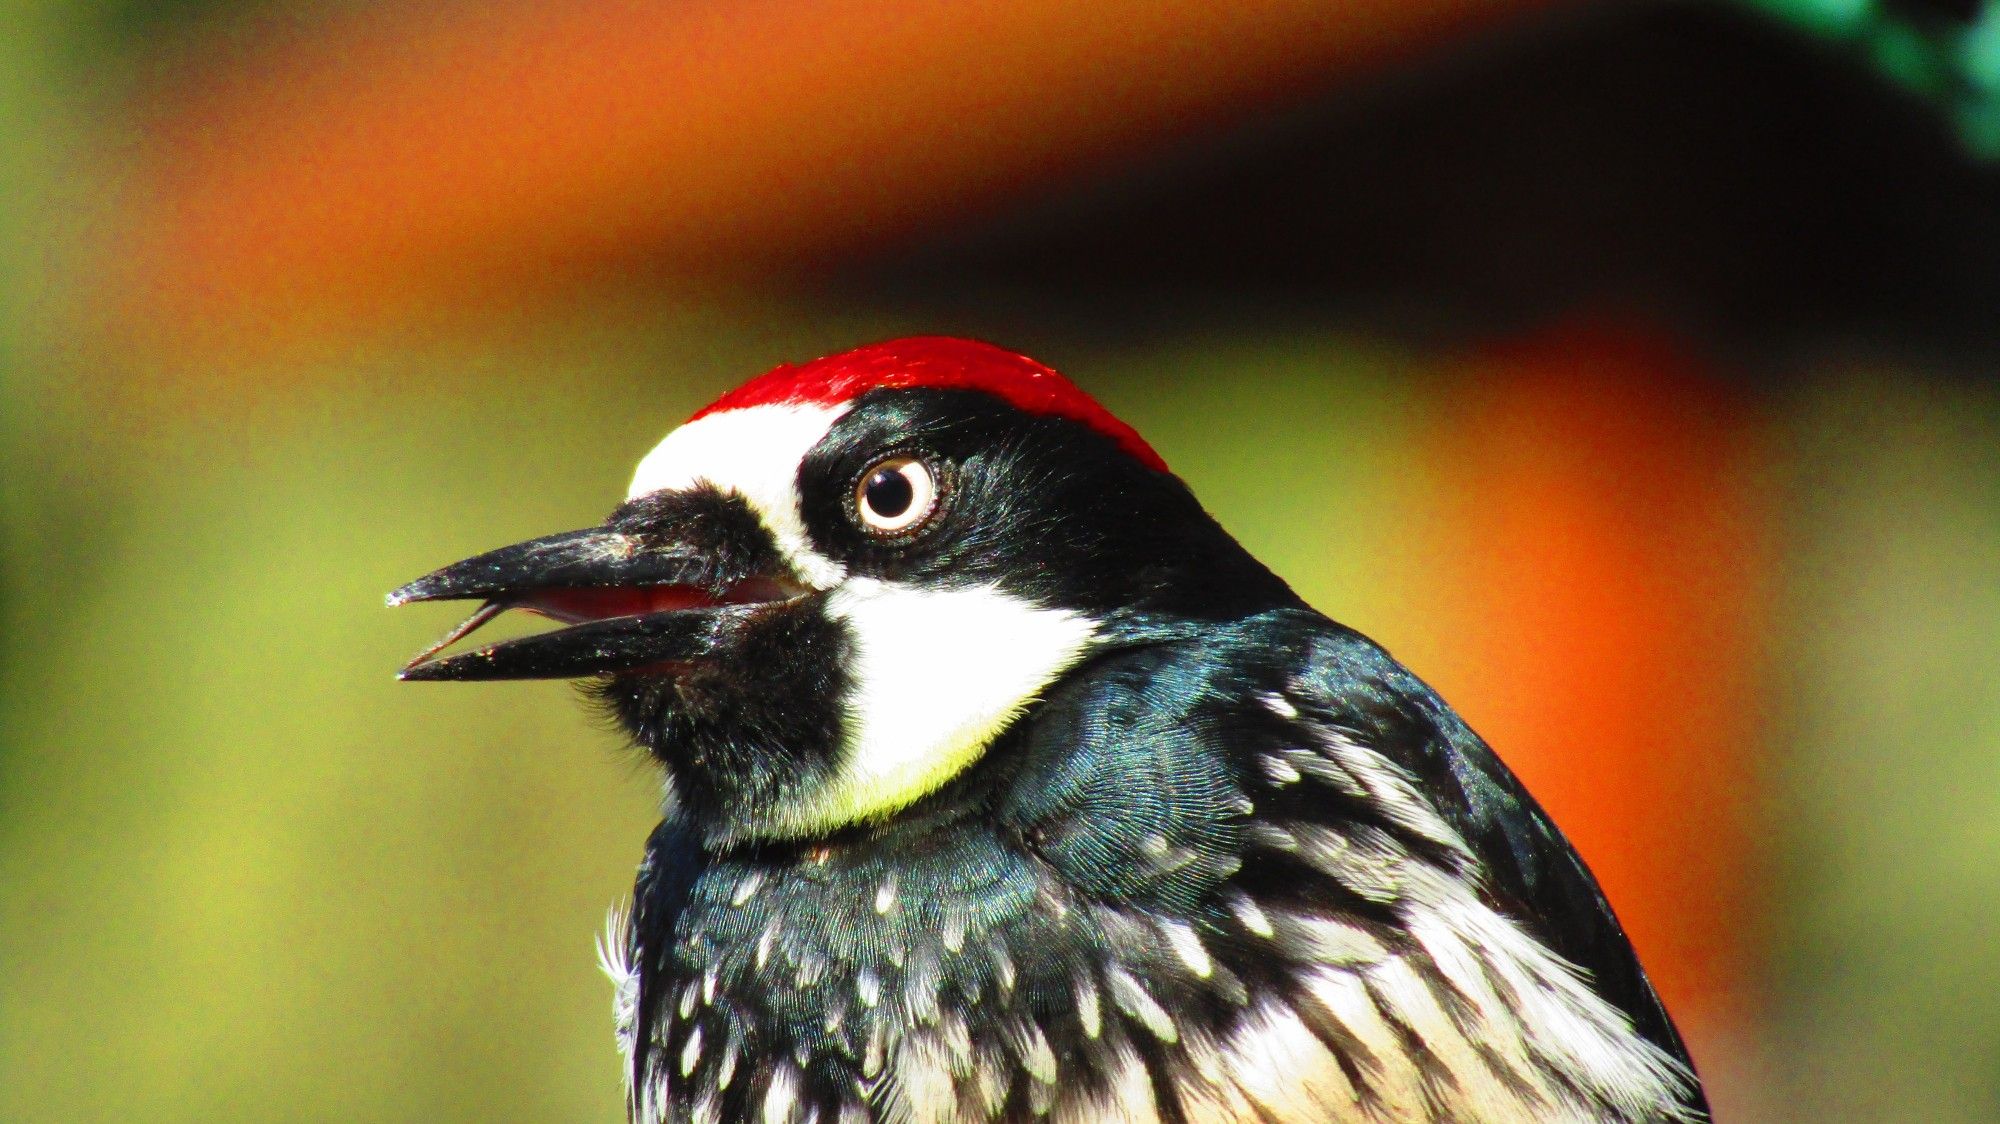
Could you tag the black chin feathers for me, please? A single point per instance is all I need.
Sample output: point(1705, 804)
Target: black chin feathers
point(745, 733)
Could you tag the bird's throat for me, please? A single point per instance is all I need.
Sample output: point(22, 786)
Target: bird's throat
point(938, 676)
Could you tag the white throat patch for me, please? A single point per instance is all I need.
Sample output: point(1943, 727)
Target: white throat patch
point(753, 453)
point(937, 675)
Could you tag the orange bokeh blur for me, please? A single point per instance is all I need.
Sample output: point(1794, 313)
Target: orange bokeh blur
point(1607, 561)
point(478, 150)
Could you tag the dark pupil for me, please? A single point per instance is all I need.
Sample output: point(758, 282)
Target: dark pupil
point(889, 493)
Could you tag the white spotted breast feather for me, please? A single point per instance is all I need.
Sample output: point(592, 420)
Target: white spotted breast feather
point(1289, 905)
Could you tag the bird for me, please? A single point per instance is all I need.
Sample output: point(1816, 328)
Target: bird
point(1002, 784)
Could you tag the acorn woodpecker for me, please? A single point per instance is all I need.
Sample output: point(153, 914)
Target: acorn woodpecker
point(1002, 784)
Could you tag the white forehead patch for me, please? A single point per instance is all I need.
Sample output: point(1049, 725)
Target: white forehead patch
point(754, 453)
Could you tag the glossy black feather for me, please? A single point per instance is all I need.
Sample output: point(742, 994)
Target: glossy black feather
point(1044, 905)
point(1222, 848)
point(1531, 869)
point(1122, 802)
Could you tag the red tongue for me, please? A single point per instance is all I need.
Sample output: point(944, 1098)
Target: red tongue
point(575, 606)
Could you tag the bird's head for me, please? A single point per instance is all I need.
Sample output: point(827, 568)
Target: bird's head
point(829, 591)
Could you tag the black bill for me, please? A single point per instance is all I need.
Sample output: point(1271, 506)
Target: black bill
point(630, 603)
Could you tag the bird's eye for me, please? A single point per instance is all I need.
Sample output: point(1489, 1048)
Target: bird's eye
point(895, 496)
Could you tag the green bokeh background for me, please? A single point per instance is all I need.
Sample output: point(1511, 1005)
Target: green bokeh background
point(249, 876)
point(244, 875)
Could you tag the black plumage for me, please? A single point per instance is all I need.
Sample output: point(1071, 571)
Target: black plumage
point(1214, 858)
point(1122, 803)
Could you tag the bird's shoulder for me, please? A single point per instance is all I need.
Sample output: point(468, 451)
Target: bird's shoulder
point(1283, 775)
point(1527, 868)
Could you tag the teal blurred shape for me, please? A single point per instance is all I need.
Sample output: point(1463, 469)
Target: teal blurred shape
point(1952, 63)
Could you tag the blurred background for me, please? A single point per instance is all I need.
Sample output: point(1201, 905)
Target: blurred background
point(1626, 369)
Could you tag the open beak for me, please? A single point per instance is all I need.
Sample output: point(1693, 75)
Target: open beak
point(629, 603)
